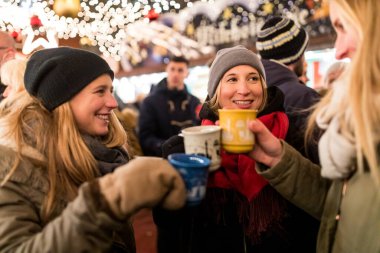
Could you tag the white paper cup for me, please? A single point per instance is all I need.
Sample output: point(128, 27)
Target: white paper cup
point(205, 141)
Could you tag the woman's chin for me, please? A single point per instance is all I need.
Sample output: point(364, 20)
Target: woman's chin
point(100, 131)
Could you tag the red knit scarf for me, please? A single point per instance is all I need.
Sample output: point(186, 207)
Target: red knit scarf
point(238, 173)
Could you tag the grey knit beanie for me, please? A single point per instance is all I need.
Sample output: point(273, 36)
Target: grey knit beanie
point(56, 75)
point(228, 58)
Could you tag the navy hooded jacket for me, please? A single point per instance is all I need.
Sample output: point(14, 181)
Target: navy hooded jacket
point(164, 113)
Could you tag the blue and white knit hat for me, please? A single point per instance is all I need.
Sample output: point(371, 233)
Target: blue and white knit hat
point(282, 40)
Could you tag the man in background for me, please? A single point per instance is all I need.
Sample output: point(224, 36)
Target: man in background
point(167, 109)
point(281, 45)
point(7, 52)
point(302, 77)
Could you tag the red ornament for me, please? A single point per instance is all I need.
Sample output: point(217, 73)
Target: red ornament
point(14, 35)
point(35, 21)
point(152, 15)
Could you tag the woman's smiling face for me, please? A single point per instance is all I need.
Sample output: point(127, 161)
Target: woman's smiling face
point(93, 105)
point(241, 88)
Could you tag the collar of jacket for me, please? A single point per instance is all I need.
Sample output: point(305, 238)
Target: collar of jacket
point(278, 73)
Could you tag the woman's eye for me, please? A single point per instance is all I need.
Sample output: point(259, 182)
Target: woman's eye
point(231, 79)
point(254, 78)
point(101, 91)
point(338, 27)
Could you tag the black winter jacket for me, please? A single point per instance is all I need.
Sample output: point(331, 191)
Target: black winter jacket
point(298, 99)
point(163, 114)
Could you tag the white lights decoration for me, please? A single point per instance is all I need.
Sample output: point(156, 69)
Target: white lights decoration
point(159, 35)
point(30, 44)
point(103, 22)
point(218, 34)
point(122, 29)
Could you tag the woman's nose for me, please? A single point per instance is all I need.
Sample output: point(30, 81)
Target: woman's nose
point(111, 101)
point(7, 91)
point(242, 87)
point(340, 49)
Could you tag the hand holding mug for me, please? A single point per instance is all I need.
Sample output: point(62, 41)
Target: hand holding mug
point(268, 149)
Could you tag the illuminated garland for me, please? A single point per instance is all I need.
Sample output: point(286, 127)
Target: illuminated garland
point(107, 24)
point(102, 23)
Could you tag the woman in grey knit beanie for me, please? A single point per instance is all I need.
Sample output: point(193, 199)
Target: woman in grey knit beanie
point(240, 204)
point(240, 71)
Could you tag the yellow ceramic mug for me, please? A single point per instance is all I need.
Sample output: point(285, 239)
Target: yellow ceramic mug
point(236, 137)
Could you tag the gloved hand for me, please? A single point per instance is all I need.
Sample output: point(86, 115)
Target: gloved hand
point(174, 144)
point(143, 182)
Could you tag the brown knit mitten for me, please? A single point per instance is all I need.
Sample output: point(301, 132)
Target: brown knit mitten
point(143, 182)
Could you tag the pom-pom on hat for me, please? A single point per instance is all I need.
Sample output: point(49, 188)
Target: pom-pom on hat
point(282, 40)
point(226, 59)
point(56, 75)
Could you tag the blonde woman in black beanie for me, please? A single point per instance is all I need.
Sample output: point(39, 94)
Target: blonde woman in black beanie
point(67, 184)
point(241, 212)
point(344, 192)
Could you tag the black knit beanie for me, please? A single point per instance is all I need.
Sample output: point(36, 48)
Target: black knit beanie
point(226, 59)
point(282, 40)
point(56, 75)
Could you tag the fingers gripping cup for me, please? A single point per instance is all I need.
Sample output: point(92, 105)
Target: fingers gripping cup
point(205, 141)
point(236, 136)
point(194, 171)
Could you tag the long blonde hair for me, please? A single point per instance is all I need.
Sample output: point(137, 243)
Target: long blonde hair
point(54, 143)
point(359, 108)
point(213, 103)
point(12, 73)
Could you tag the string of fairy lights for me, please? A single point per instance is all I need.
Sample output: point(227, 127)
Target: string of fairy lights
point(109, 24)
point(102, 22)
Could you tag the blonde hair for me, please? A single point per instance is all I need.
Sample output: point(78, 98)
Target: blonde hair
point(213, 103)
point(12, 74)
point(56, 143)
point(358, 109)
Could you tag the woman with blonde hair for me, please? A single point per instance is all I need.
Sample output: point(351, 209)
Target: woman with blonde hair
point(345, 191)
point(12, 76)
point(67, 184)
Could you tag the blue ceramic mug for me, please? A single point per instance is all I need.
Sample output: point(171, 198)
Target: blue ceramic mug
point(194, 171)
